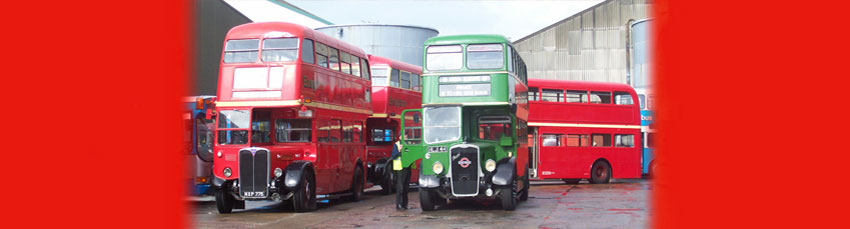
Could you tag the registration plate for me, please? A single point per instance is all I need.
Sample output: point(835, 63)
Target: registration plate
point(253, 194)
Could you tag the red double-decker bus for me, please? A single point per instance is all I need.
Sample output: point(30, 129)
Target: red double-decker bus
point(395, 87)
point(583, 130)
point(292, 106)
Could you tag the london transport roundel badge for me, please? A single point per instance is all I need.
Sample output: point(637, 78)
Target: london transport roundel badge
point(464, 162)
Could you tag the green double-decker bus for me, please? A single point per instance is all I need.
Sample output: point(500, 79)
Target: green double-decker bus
point(471, 133)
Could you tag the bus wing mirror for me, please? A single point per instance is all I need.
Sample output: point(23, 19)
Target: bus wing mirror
point(506, 141)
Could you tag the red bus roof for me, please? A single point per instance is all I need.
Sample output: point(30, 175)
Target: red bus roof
point(379, 60)
point(260, 29)
point(579, 85)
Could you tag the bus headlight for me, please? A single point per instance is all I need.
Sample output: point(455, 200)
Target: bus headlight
point(437, 168)
point(218, 154)
point(510, 154)
point(227, 172)
point(490, 165)
point(278, 172)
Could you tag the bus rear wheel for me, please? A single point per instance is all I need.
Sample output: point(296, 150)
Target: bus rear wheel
point(600, 173)
point(223, 201)
point(652, 169)
point(526, 186)
point(357, 185)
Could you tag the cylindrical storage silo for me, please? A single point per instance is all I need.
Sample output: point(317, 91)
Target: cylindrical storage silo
point(398, 42)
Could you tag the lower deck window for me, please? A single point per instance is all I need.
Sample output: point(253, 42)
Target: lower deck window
point(293, 130)
point(577, 140)
point(260, 132)
point(601, 140)
point(232, 137)
point(494, 127)
point(624, 140)
point(551, 139)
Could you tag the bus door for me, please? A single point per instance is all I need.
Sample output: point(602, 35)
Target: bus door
point(533, 150)
point(552, 155)
point(414, 148)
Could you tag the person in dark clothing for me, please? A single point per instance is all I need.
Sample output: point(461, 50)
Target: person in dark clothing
point(402, 178)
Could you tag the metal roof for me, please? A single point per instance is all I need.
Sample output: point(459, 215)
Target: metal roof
point(276, 11)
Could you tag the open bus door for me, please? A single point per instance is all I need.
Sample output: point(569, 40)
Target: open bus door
point(414, 148)
point(533, 150)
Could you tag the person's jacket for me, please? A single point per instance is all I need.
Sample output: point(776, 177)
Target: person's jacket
point(396, 150)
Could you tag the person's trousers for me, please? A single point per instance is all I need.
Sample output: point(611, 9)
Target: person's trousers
point(402, 186)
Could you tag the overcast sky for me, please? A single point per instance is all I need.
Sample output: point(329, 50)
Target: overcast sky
point(514, 19)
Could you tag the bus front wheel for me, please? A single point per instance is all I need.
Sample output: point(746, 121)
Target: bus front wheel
point(509, 195)
point(600, 173)
point(304, 199)
point(426, 199)
point(223, 201)
point(388, 181)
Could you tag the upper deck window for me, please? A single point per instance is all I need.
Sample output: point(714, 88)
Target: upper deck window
point(241, 51)
point(486, 56)
point(642, 99)
point(444, 57)
point(600, 97)
point(355, 66)
point(333, 58)
point(280, 49)
point(321, 54)
point(552, 95)
point(405, 80)
point(576, 96)
point(414, 82)
point(394, 74)
point(345, 62)
point(532, 94)
point(307, 52)
point(364, 66)
point(379, 77)
point(623, 98)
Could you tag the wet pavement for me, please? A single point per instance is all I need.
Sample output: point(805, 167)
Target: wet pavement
point(551, 204)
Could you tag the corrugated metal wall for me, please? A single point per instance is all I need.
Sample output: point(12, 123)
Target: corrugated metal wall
point(213, 18)
point(589, 46)
point(398, 42)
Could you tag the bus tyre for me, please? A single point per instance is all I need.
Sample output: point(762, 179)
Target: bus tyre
point(388, 183)
point(509, 195)
point(652, 169)
point(526, 186)
point(223, 201)
point(571, 181)
point(304, 199)
point(600, 173)
point(426, 199)
point(357, 185)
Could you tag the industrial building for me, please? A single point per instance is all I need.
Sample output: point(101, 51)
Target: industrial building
point(214, 18)
point(398, 42)
point(591, 45)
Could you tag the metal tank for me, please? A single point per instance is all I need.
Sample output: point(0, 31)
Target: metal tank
point(398, 42)
point(641, 58)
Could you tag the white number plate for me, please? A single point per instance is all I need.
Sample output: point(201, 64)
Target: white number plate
point(253, 194)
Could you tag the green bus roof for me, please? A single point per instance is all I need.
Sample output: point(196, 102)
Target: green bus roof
point(467, 39)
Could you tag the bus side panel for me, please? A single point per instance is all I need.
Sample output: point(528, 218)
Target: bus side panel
point(582, 113)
